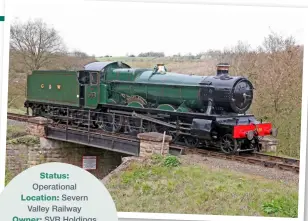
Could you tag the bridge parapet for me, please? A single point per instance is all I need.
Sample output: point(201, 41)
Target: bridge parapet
point(269, 144)
point(154, 143)
point(36, 126)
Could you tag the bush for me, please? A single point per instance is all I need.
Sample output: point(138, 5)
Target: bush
point(171, 161)
point(283, 205)
point(28, 140)
point(14, 132)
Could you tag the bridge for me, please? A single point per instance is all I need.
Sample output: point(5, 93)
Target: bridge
point(62, 142)
point(120, 143)
point(96, 143)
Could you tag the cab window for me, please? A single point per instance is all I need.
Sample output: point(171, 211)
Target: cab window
point(102, 76)
point(94, 78)
point(83, 77)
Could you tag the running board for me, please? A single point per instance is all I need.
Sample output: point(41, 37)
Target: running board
point(151, 119)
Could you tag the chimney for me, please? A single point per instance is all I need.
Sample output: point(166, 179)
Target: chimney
point(222, 68)
point(161, 68)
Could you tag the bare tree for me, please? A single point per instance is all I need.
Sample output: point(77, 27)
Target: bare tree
point(35, 43)
point(80, 54)
point(275, 43)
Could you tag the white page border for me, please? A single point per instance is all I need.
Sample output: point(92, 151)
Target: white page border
point(150, 216)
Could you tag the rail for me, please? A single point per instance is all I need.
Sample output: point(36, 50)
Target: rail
point(282, 163)
point(18, 117)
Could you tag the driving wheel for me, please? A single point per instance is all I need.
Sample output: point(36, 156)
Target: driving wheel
point(228, 144)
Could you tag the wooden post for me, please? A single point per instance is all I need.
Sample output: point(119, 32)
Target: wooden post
point(153, 143)
point(162, 146)
point(66, 123)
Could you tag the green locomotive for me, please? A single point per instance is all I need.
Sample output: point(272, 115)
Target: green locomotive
point(198, 110)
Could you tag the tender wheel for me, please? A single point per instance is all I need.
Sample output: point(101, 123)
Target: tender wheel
point(99, 123)
point(191, 142)
point(78, 119)
point(228, 144)
point(56, 117)
point(36, 111)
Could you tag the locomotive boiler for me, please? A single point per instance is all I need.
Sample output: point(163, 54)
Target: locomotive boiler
point(197, 110)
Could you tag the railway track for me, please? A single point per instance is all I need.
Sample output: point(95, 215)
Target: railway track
point(18, 117)
point(282, 163)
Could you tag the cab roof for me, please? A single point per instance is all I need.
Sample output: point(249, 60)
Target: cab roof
point(99, 66)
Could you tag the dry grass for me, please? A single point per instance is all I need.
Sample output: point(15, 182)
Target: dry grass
point(15, 131)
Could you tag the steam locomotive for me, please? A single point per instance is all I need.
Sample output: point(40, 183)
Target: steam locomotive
point(199, 111)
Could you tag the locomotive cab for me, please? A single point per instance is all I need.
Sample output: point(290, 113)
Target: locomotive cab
point(93, 84)
point(88, 88)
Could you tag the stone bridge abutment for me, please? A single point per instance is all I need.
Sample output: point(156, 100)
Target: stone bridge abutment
point(22, 156)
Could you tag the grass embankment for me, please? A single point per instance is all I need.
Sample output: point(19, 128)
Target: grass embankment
point(17, 135)
point(165, 185)
point(17, 111)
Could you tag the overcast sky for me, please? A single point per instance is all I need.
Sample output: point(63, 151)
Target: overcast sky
point(115, 28)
